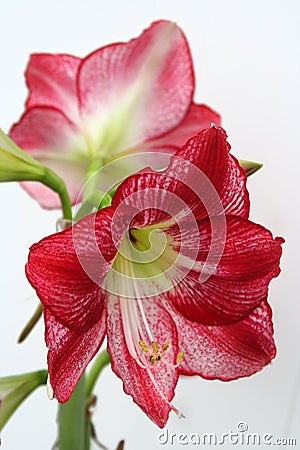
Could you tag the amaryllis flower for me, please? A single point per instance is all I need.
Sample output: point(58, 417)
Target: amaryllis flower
point(173, 273)
point(120, 99)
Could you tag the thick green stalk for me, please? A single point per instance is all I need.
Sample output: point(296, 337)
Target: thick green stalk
point(100, 362)
point(72, 420)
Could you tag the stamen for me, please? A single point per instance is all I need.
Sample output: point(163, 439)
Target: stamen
point(179, 357)
point(147, 352)
point(140, 305)
point(143, 346)
point(127, 330)
point(165, 347)
point(177, 412)
point(152, 359)
point(154, 346)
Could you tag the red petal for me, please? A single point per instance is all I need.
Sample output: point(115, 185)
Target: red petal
point(69, 353)
point(227, 352)
point(203, 176)
point(198, 118)
point(47, 135)
point(204, 164)
point(154, 70)
point(152, 195)
point(151, 389)
point(51, 80)
point(240, 281)
point(161, 195)
point(43, 128)
point(67, 269)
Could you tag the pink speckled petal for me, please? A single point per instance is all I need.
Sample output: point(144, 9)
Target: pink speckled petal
point(227, 352)
point(153, 388)
point(69, 353)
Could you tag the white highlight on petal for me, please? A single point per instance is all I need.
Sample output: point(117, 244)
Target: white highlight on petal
point(50, 391)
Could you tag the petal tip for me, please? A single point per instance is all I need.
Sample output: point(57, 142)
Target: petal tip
point(50, 391)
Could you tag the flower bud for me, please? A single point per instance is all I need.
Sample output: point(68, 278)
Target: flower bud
point(16, 165)
point(15, 389)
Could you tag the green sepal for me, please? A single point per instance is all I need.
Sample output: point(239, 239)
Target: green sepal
point(250, 167)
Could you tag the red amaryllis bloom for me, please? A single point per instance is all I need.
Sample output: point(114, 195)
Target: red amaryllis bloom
point(174, 274)
point(120, 99)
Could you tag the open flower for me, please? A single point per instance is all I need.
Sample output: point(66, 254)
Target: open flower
point(174, 274)
point(120, 99)
point(14, 390)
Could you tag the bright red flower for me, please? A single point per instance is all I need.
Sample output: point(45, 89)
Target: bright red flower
point(176, 280)
point(123, 98)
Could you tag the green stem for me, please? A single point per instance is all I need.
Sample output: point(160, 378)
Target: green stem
point(100, 362)
point(55, 183)
point(88, 432)
point(31, 323)
point(72, 420)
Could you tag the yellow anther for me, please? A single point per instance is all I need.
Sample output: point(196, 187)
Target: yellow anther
point(156, 355)
point(152, 359)
point(154, 346)
point(143, 346)
point(179, 357)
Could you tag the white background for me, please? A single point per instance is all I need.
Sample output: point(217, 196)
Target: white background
point(246, 56)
